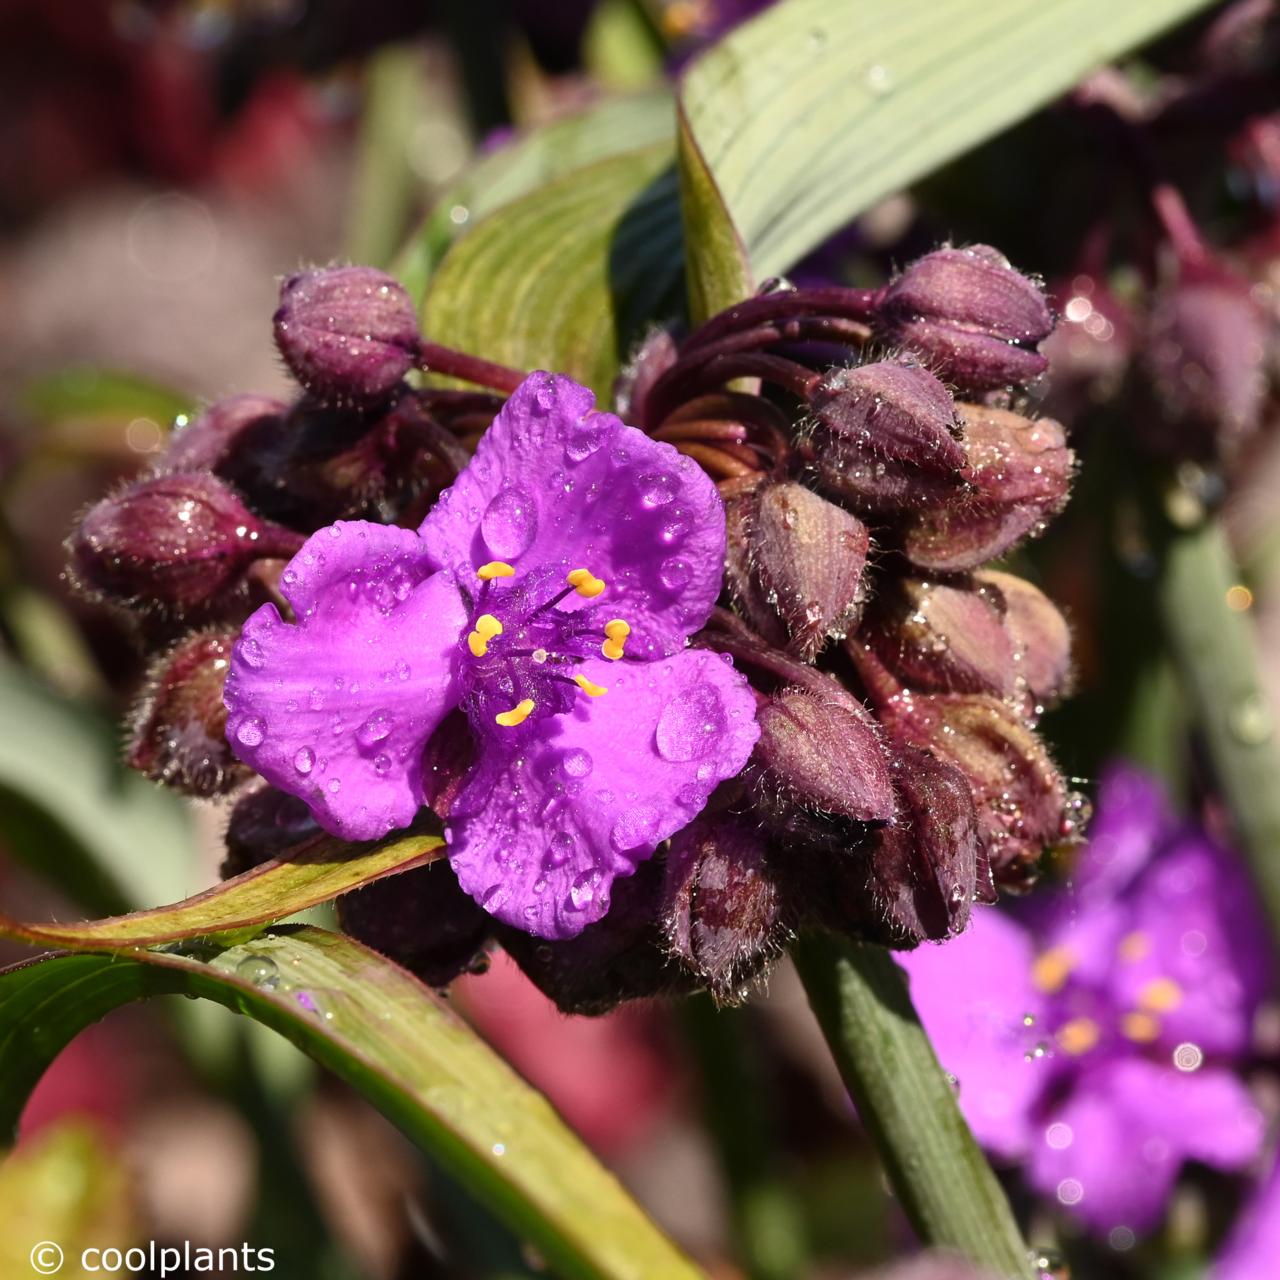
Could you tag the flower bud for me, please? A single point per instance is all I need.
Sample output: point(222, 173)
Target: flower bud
point(916, 877)
point(619, 958)
point(265, 824)
point(422, 920)
point(229, 427)
point(725, 917)
point(348, 334)
point(820, 763)
point(654, 355)
point(797, 557)
point(1018, 474)
point(1040, 635)
point(178, 729)
point(974, 320)
point(885, 436)
point(1018, 791)
point(176, 540)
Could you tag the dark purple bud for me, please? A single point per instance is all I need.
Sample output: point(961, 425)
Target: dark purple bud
point(622, 957)
point(916, 877)
point(1089, 351)
point(1040, 635)
point(820, 763)
point(265, 824)
point(970, 316)
point(1205, 362)
point(652, 358)
point(795, 556)
point(885, 436)
point(176, 541)
point(422, 920)
point(725, 915)
point(1018, 474)
point(348, 334)
point(178, 728)
point(224, 429)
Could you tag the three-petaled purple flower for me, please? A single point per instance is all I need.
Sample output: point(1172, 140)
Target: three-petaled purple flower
point(1099, 1046)
point(549, 594)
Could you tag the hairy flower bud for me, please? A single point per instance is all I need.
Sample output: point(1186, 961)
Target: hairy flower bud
point(725, 915)
point(621, 957)
point(178, 729)
point(265, 824)
point(797, 557)
point(177, 540)
point(885, 436)
point(348, 334)
point(1018, 474)
point(1040, 635)
point(820, 763)
point(422, 920)
point(224, 429)
point(975, 320)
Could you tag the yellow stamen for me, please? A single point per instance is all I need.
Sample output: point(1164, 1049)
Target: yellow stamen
point(585, 583)
point(495, 569)
point(517, 715)
point(1133, 947)
point(1052, 969)
point(1078, 1036)
point(487, 626)
point(616, 633)
point(589, 687)
point(1160, 995)
point(1141, 1027)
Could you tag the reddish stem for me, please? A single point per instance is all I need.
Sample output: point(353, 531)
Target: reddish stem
point(458, 364)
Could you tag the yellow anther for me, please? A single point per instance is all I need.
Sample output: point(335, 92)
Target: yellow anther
point(1140, 1027)
point(1052, 968)
point(495, 569)
point(1078, 1036)
point(517, 715)
point(1160, 995)
point(1133, 947)
point(589, 687)
point(585, 583)
point(487, 626)
point(616, 633)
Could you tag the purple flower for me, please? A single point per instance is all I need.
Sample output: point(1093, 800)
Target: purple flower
point(1253, 1246)
point(549, 596)
point(1098, 1047)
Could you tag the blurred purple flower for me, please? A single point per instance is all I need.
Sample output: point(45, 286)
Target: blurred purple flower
point(1098, 1047)
point(1253, 1246)
point(569, 538)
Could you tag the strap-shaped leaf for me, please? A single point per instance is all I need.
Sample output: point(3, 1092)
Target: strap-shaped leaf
point(380, 1030)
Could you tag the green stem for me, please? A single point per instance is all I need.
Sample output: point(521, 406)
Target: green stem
point(1215, 649)
point(907, 1104)
point(768, 1227)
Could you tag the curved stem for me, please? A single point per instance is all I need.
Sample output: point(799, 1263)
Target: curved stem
point(435, 358)
point(907, 1105)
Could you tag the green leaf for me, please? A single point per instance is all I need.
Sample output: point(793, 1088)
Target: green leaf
point(618, 125)
point(388, 1037)
point(68, 810)
point(810, 113)
point(87, 393)
point(566, 278)
point(275, 889)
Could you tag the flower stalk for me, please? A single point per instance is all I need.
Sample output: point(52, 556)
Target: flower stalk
point(907, 1104)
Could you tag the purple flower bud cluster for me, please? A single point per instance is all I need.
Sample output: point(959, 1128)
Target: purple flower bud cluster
point(195, 545)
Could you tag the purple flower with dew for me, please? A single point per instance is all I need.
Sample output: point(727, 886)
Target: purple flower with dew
point(1098, 1048)
point(549, 595)
point(1251, 1250)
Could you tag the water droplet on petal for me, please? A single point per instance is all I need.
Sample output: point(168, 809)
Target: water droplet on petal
point(583, 890)
point(674, 573)
point(559, 849)
point(585, 441)
point(635, 828)
point(251, 732)
point(375, 729)
point(251, 652)
point(691, 724)
point(510, 523)
point(675, 529)
point(335, 785)
point(262, 971)
point(382, 764)
point(657, 488)
point(304, 760)
point(576, 763)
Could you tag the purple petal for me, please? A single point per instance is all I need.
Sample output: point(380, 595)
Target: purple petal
point(1112, 1151)
point(974, 995)
point(336, 709)
point(555, 483)
point(537, 836)
point(1132, 818)
point(1253, 1246)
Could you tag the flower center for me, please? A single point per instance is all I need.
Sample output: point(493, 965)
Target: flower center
point(526, 641)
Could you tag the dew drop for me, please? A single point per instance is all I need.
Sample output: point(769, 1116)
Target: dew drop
point(382, 764)
point(576, 763)
point(691, 724)
point(402, 670)
point(583, 890)
point(251, 731)
point(251, 652)
point(304, 760)
point(510, 523)
point(374, 730)
point(261, 971)
point(315, 700)
point(674, 573)
point(335, 785)
point(657, 488)
point(559, 849)
point(585, 441)
point(634, 828)
point(675, 529)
